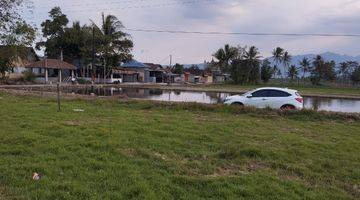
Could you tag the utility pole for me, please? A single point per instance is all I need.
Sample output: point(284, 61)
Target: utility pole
point(60, 70)
point(104, 70)
point(58, 96)
point(170, 61)
point(58, 84)
point(170, 66)
point(93, 50)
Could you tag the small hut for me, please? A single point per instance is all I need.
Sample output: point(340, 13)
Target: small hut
point(52, 70)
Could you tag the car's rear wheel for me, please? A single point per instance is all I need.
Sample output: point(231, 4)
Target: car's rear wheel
point(288, 107)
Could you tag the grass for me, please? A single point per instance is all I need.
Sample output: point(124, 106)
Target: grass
point(306, 90)
point(145, 150)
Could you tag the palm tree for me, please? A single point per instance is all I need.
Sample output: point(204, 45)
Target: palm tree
point(344, 70)
point(286, 60)
point(252, 58)
point(277, 55)
point(293, 72)
point(305, 66)
point(225, 56)
point(115, 44)
point(275, 71)
point(317, 70)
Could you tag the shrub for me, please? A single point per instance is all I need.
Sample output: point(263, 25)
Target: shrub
point(83, 81)
point(29, 76)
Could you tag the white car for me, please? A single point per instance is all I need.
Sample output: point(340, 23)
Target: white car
point(275, 98)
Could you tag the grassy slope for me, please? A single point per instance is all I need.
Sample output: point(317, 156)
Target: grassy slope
point(153, 152)
point(309, 90)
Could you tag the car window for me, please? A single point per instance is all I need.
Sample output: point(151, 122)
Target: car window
point(278, 93)
point(260, 93)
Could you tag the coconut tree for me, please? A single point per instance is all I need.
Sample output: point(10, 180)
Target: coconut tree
point(115, 45)
point(225, 56)
point(286, 60)
point(275, 71)
point(305, 66)
point(293, 72)
point(252, 58)
point(277, 55)
point(344, 70)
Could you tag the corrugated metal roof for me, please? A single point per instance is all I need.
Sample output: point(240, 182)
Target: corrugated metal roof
point(134, 64)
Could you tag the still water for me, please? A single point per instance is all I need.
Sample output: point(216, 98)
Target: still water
point(325, 104)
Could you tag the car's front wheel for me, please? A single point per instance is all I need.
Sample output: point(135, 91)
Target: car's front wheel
point(238, 104)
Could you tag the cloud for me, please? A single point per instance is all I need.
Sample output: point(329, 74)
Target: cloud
point(267, 16)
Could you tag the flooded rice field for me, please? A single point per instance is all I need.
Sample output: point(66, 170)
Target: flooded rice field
point(316, 103)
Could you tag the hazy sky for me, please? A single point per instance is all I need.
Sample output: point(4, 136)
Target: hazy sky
point(266, 16)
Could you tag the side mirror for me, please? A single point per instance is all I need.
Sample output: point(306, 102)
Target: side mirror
point(249, 96)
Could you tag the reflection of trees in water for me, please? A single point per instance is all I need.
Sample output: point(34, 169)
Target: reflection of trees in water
point(315, 103)
point(318, 103)
point(215, 96)
point(177, 92)
point(155, 92)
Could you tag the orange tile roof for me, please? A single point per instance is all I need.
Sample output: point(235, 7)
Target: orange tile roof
point(51, 64)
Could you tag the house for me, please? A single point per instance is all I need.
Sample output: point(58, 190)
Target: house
point(157, 73)
point(52, 70)
point(219, 77)
point(208, 79)
point(134, 71)
point(23, 56)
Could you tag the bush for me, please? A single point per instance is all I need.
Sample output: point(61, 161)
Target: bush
point(28, 76)
point(82, 81)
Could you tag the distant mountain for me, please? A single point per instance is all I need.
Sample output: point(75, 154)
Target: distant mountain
point(201, 65)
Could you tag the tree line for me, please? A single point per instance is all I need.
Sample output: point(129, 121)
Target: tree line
point(245, 66)
point(103, 46)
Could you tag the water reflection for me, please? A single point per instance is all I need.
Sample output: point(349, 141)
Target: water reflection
point(335, 105)
point(326, 104)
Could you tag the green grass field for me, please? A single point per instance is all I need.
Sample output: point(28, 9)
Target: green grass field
point(145, 150)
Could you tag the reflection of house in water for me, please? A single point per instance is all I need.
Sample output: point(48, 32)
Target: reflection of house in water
point(155, 92)
point(177, 92)
point(136, 92)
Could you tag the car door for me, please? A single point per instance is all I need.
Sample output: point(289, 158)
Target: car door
point(277, 98)
point(258, 99)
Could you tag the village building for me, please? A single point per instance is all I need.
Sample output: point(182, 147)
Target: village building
point(219, 77)
point(134, 71)
point(158, 74)
point(52, 71)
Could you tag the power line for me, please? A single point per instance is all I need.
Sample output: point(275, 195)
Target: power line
point(243, 33)
point(143, 6)
point(96, 4)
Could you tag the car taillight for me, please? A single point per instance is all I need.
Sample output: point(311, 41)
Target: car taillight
point(300, 100)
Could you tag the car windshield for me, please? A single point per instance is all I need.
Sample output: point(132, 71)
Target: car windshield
point(247, 93)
